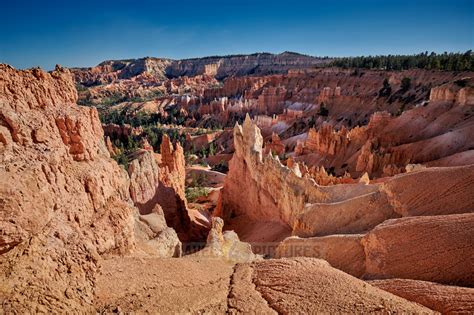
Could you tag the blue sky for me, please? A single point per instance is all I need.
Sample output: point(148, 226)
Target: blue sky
point(84, 33)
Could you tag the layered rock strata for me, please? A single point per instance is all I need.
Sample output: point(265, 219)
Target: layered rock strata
point(441, 298)
point(57, 216)
point(65, 202)
point(308, 285)
point(260, 187)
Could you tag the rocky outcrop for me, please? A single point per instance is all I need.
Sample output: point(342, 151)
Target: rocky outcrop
point(144, 175)
point(393, 251)
point(388, 144)
point(173, 177)
point(460, 91)
point(310, 286)
point(109, 71)
point(160, 179)
point(156, 238)
point(271, 101)
point(226, 245)
point(390, 199)
point(200, 142)
point(441, 298)
point(344, 252)
point(240, 65)
point(259, 188)
point(321, 176)
point(328, 141)
point(115, 131)
point(220, 67)
point(57, 216)
point(274, 146)
point(390, 249)
point(327, 93)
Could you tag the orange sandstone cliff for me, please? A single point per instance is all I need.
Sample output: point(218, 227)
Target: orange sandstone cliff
point(64, 202)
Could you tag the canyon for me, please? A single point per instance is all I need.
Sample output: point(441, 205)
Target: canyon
point(239, 184)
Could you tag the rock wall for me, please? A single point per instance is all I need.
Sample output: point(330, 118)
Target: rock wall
point(160, 179)
point(391, 249)
point(389, 143)
point(220, 67)
point(144, 175)
point(260, 187)
point(461, 91)
point(171, 194)
point(441, 298)
point(111, 70)
point(57, 215)
point(240, 65)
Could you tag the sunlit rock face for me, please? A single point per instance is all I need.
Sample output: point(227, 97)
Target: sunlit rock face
point(259, 187)
point(64, 201)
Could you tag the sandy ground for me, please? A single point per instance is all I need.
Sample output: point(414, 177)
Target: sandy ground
point(165, 286)
point(211, 285)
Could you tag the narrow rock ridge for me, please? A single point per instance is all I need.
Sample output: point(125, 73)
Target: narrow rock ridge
point(276, 287)
point(260, 182)
point(259, 187)
point(219, 67)
point(442, 298)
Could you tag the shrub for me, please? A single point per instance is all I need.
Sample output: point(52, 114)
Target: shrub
point(122, 159)
point(193, 193)
point(221, 167)
point(198, 180)
point(386, 89)
point(323, 111)
point(406, 83)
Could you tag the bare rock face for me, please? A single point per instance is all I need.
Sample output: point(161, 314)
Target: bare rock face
point(171, 195)
point(57, 215)
point(159, 179)
point(154, 237)
point(309, 286)
point(271, 101)
point(166, 244)
point(260, 187)
point(260, 193)
point(461, 91)
point(378, 202)
point(259, 182)
point(344, 252)
point(433, 248)
point(226, 245)
point(327, 141)
point(172, 158)
point(275, 146)
point(392, 249)
point(120, 131)
point(441, 298)
point(434, 191)
point(109, 71)
point(389, 144)
point(239, 65)
point(144, 175)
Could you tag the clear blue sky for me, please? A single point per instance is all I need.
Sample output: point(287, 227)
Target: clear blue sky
point(84, 33)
